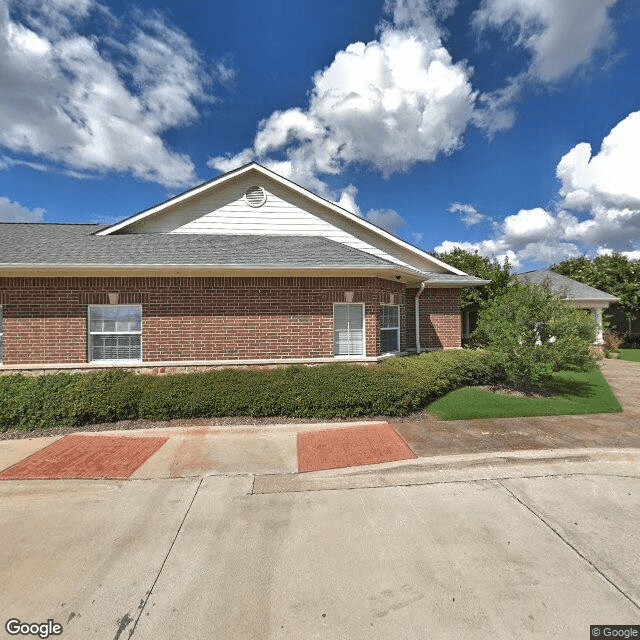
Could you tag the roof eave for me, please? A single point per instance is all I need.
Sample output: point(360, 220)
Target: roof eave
point(593, 302)
point(456, 284)
point(205, 267)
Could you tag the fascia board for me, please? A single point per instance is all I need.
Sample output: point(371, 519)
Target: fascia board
point(51, 269)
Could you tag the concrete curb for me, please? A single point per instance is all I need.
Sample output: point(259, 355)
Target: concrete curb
point(460, 468)
point(233, 429)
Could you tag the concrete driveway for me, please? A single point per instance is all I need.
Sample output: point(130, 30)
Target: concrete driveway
point(542, 554)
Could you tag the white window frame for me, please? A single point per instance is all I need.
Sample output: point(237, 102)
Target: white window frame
point(1, 334)
point(112, 333)
point(396, 328)
point(364, 333)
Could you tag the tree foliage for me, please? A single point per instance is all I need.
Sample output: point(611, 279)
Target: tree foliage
point(533, 333)
point(476, 265)
point(614, 273)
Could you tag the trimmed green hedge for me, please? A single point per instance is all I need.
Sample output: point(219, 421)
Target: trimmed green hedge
point(394, 387)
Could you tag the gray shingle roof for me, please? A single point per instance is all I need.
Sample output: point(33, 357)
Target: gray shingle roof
point(566, 287)
point(29, 243)
point(451, 279)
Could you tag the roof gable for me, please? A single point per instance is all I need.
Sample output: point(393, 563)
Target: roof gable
point(219, 207)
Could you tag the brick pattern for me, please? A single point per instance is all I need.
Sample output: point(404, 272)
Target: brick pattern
point(192, 318)
point(87, 456)
point(440, 319)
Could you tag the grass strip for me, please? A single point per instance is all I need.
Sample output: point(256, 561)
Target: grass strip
point(572, 394)
point(632, 355)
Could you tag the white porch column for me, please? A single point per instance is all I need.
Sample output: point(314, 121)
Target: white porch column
point(597, 312)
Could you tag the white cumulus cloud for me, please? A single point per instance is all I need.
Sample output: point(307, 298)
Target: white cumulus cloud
point(560, 35)
point(97, 103)
point(490, 248)
point(598, 207)
point(387, 104)
point(348, 200)
point(468, 213)
point(609, 178)
point(11, 211)
point(389, 219)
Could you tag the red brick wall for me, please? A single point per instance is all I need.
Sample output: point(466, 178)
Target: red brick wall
point(440, 319)
point(207, 318)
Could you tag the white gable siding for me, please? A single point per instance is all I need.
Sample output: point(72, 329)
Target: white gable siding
point(224, 211)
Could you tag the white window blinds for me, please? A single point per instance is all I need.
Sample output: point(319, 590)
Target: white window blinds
point(348, 329)
point(115, 332)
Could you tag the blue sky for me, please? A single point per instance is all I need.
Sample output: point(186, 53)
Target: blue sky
point(511, 127)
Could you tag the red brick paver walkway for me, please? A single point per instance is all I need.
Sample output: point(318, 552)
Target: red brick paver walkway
point(79, 456)
point(336, 448)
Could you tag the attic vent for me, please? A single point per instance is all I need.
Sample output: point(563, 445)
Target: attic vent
point(255, 196)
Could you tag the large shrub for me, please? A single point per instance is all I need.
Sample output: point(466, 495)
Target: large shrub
point(532, 333)
point(393, 387)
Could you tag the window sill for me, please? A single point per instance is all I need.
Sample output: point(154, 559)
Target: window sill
point(115, 363)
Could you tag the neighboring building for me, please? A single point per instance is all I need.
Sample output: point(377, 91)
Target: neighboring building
point(574, 292)
point(248, 268)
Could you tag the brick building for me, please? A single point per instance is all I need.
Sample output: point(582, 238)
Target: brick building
point(247, 269)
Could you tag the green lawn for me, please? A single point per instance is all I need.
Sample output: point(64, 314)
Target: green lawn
point(630, 354)
point(576, 393)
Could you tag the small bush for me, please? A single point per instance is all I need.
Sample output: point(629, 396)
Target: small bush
point(35, 402)
point(612, 341)
point(394, 387)
point(104, 396)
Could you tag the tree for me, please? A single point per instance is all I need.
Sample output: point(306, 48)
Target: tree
point(476, 265)
point(532, 333)
point(614, 273)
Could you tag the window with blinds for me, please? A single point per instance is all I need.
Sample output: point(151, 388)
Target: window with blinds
point(348, 329)
point(115, 332)
point(389, 328)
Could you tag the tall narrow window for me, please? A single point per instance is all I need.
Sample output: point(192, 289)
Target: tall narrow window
point(1, 335)
point(389, 328)
point(115, 333)
point(348, 329)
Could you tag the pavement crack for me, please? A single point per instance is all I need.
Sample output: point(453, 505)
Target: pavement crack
point(143, 603)
point(577, 551)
